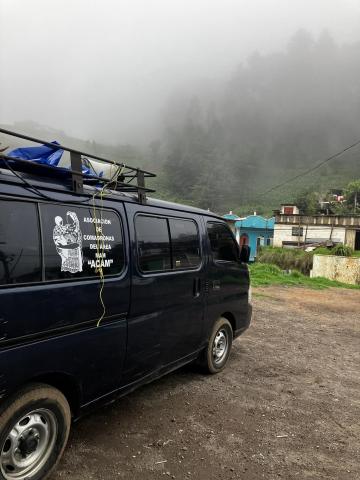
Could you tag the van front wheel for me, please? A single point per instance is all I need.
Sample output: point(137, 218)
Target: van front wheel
point(217, 353)
point(34, 428)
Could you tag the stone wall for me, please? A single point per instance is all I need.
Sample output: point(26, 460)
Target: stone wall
point(342, 269)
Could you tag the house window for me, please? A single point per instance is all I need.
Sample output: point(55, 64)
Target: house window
point(297, 231)
point(260, 241)
point(288, 210)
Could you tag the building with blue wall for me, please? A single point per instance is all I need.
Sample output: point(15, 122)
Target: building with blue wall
point(253, 230)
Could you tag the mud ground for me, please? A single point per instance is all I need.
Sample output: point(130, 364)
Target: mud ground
point(287, 406)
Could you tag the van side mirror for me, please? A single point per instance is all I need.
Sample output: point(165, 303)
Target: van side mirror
point(244, 254)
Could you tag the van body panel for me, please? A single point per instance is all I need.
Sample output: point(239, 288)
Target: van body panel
point(153, 322)
point(228, 293)
point(92, 356)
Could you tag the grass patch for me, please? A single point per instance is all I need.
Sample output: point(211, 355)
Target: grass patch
point(339, 250)
point(297, 258)
point(287, 258)
point(263, 275)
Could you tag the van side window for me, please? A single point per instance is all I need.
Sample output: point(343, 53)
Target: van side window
point(222, 243)
point(20, 259)
point(153, 244)
point(77, 243)
point(185, 243)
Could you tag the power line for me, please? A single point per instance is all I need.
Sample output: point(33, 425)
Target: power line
point(312, 169)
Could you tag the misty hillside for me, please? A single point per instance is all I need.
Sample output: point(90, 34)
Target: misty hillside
point(124, 152)
point(276, 117)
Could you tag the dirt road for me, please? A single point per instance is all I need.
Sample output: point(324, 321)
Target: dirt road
point(287, 406)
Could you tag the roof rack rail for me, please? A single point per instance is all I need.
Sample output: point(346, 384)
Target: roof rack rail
point(125, 179)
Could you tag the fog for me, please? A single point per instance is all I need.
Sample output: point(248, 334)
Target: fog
point(108, 70)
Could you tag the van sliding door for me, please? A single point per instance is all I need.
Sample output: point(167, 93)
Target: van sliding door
point(166, 314)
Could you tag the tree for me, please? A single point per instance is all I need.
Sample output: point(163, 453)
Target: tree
point(352, 196)
point(308, 202)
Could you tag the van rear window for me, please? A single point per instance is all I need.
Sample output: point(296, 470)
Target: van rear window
point(185, 243)
point(223, 246)
point(77, 243)
point(20, 259)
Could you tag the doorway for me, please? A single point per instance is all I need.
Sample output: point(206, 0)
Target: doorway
point(244, 239)
point(357, 240)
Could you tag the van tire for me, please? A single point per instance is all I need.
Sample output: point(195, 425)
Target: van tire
point(38, 418)
point(214, 358)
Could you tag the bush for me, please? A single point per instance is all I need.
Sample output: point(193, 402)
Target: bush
point(342, 250)
point(287, 258)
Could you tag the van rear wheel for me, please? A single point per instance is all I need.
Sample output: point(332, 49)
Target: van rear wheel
point(34, 428)
point(216, 355)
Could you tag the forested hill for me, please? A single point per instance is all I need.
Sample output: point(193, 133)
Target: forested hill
point(276, 117)
point(224, 144)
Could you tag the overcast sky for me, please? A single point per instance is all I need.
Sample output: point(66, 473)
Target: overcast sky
point(104, 69)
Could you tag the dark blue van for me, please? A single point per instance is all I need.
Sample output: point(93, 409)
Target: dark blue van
point(101, 291)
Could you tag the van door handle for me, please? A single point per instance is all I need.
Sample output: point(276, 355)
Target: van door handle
point(196, 287)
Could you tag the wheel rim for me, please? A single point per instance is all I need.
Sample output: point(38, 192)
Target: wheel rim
point(220, 346)
point(28, 445)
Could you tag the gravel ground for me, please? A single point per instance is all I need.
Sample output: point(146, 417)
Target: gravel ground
point(287, 405)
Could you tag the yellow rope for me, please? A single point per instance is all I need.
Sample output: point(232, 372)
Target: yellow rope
point(100, 245)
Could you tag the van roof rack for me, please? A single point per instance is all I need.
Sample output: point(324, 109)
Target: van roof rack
point(125, 179)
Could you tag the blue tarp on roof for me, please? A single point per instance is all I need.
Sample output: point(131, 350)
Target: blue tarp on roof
point(44, 155)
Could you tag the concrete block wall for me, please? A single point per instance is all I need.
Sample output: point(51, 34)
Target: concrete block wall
point(342, 269)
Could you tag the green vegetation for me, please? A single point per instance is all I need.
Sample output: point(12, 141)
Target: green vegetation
point(342, 251)
point(297, 259)
point(263, 275)
point(309, 200)
point(339, 250)
point(352, 195)
point(322, 251)
point(287, 258)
